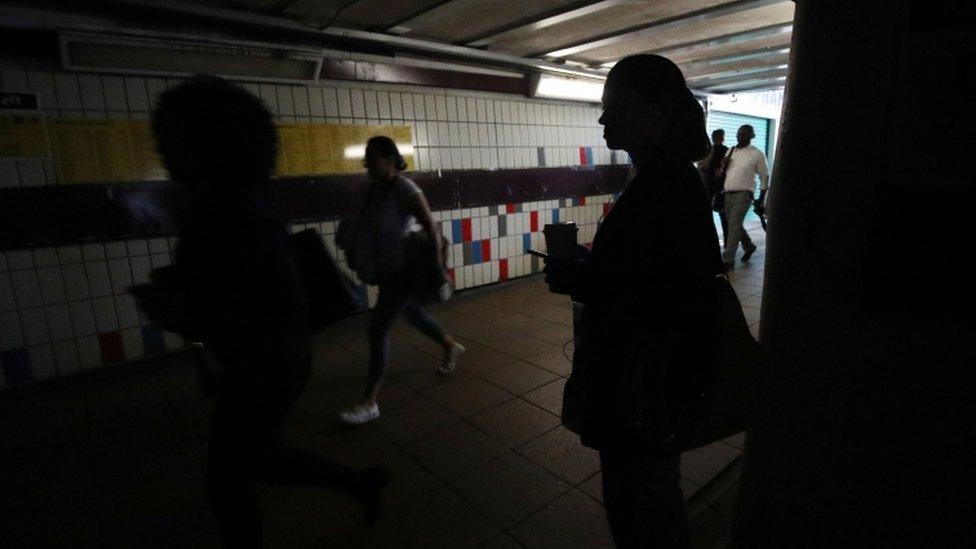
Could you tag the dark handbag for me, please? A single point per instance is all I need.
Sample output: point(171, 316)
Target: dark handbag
point(720, 402)
point(427, 277)
point(331, 296)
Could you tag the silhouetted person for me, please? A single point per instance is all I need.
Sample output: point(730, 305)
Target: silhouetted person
point(743, 163)
point(714, 177)
point(246, 301)
point(647, 332)
point(394, 207)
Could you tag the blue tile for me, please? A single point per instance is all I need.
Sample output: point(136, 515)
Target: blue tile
point(457, 235)
point(526, 241)
point(16, 366)
point(476, 253)
point(589, 156)
point(555, 215)
point(152, 339)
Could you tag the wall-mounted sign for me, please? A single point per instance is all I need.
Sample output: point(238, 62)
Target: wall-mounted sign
point(97, 151)
point(307, 149)
point(22, 132)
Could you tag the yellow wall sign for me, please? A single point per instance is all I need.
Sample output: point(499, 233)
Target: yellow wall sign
point(96, 151)
point(22, 132)
point(308, 149)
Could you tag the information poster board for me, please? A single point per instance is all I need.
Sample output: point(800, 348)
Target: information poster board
point(96, 151)
point(22, 130)
point(308, 149)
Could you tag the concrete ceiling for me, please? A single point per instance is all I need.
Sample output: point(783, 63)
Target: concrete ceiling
point(719, 39)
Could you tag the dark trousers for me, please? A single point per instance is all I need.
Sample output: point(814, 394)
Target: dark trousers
point(643, 500)
point(395, 299)
point(246, 442)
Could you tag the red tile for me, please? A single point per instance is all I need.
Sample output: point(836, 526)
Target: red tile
point(534, 221)
point(582, 201)
point(510, 208)
point(606, 208)
point(486, 250)
point(450, 276)
point(582, 151)
point(503, 269)
point(466, 229)
point(110, 344)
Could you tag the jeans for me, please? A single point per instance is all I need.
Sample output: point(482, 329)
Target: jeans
point(395, 299)
point(736, 207)
point(259, 388)
point(644, 503)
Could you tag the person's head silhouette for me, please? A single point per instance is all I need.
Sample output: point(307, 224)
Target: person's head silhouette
point(214, 135)
point(745, 135)
point(648, 111)
point(383, 160)
point(718, 136)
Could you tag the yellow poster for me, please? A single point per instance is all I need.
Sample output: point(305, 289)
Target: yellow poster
point(22, 135)
point(95, 151)
point(322, 152)
point(92, 151)
point(22, 131)
point(293, 149)
point(145, 158)
point(309, 149)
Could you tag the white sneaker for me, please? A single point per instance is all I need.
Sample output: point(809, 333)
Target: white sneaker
point(450, 361)
point(360, 413)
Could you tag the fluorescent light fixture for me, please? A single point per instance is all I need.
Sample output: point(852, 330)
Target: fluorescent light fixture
point(359, 151)
point(178, 55)
point(576, 89)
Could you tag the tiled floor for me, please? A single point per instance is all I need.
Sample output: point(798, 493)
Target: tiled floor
point(479, 459)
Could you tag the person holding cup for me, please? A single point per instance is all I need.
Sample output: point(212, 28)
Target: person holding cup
point(646, 331)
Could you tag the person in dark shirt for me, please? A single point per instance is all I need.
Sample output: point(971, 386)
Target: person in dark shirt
point(245, 301)
point(713, 175)
point(647, 331)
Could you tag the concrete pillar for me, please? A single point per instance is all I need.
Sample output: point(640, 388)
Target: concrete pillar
point(868, 305)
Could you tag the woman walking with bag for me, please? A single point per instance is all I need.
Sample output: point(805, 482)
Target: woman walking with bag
point(648, 328)
point(381, 255)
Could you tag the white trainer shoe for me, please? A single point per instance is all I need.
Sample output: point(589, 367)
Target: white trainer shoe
point(360, 413)
point(450, 361)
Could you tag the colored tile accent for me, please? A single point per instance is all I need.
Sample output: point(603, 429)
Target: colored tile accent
point(476, 253)
point(510, 208)
point(582, 201)
point(582, 156)
point(526, 241)
point(16, 366)
point(503, 269)
point(110, 344)
point(466, 229)
point(555, 215)
point(534, 222)
point(589, 156)
point(152, 339)
point(540, 153)
point(451, 276)
point(606, 208)
point(486, 250)
point(456, 235)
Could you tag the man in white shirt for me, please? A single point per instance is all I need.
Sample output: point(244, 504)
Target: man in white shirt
point(742, 164)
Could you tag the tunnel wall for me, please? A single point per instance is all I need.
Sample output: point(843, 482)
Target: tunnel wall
point(496, 167)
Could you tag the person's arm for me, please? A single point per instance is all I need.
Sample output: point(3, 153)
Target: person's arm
point(762, 171)
point(420, 210)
